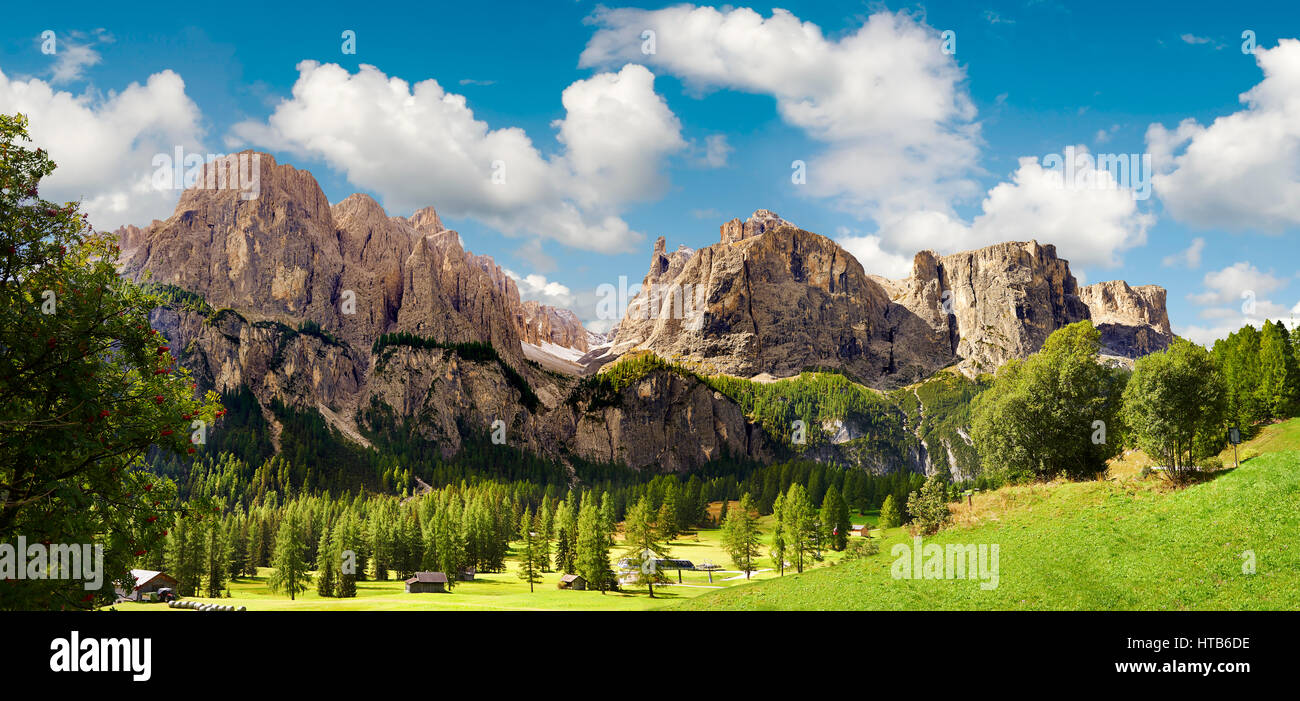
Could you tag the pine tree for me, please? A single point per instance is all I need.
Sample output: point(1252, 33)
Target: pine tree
point(665, 522)
point(215, 559)
point(642, 538)
point(778, 548)
point(290, 575)
point(801, 529)
point(449, 537)
point(563, 558)
point(889, 516)
point(346, 539)
point(545, 526)
point(835, 518)
point(741, 536)
point(530, 569)
point(593, 544)
point(326, 565)
point(1279, 378)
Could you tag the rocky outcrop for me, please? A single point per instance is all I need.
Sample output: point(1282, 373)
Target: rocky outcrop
point(287, 255)
point(374, 248)
point(1133, 320)
point(663, 422)
point(448, 296)
point(766, 300)
point(760, 221)
point(988, 306)
point(275, 255)
point(773, 299)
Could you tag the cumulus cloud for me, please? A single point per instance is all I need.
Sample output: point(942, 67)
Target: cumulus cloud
point(104, 144)
point(1234, 297)
point(537, 288)
point(1227, 286)
point(1090, 225)
point(885, 101)
point(418, 144)
point(900, 139)
point(1239, 173)
point(716, 151)
point(874, 259)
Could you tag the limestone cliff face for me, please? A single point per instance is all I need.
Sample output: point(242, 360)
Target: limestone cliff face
point(287, 255)
point(775, 300)
point(1133, 320)
point(997, 303)
point(663, 422)
point(276, 255)
point(448, 296)
point(542, 323)
point(374, 248)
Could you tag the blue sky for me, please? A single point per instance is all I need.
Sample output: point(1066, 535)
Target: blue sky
point(905, 146)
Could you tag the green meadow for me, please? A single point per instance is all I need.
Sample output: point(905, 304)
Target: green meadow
point(505, 590)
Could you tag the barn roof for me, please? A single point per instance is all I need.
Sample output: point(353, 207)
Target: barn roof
point(570, 578)
point(428, 578)
point(143, 577)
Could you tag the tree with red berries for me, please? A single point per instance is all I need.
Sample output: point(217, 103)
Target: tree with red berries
point(87, 388)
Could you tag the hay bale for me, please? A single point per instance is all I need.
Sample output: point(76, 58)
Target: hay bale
point(242, 608)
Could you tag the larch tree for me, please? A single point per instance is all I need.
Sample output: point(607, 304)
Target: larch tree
point(290, 560)
point(741, 535)
point(643, 543)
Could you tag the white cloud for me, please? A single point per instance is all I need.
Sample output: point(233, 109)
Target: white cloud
point(1227, 286)
point(416, 145)
point(885, 101)
point(104, 144)
point(1239, 173)
point(72, 56)
point(1190, 38)
point(1090, 226)
point(716, 151)
point(537, 287)
point(874, 259)
point(1234, 297)
point(583, 303)
point(1191, 258)
point(898, 126)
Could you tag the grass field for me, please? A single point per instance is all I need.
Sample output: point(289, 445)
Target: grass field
point(505, 591)
point(1119, 543)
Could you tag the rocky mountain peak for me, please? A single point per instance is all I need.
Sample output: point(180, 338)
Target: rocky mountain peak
point(760, 221)
point(426, 221)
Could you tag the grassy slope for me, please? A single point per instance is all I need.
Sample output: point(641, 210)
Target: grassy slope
point(1113, 544)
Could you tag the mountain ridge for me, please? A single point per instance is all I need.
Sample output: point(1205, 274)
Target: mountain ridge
point(298, 291)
